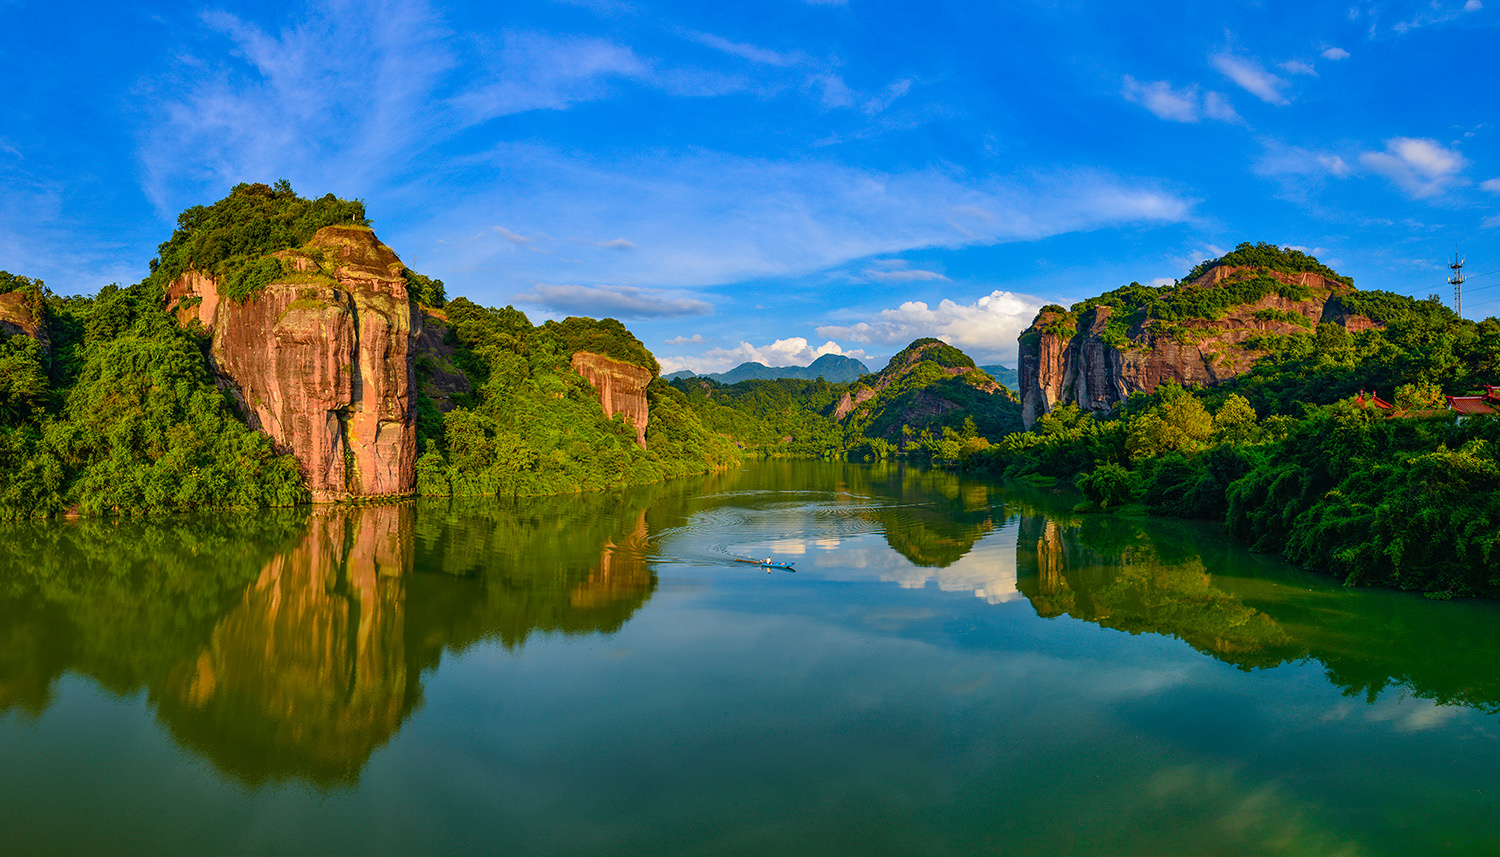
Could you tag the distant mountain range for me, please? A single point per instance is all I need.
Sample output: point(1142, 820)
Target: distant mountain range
point(1004, 374)
point(832, 368)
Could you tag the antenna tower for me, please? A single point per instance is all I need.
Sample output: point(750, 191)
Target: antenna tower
point(1457, 280)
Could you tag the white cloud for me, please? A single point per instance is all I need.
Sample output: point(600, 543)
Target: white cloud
point(887, 97)
point(518, 240)
point(686, 340)
point(744, 51)
point(1178, 105)
point(1249, 75)
point(986, 329)
point(795, 351)
point(1299, 67)
point(1279, 159)
point(901, 275)
point(1491, 185)
point(705, 218)
point(621, 301)
point(1335, 54)
point(1421, 167)
point(1473, 6)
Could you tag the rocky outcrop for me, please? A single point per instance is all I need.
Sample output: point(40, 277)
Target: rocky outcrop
point(437, 376)
point(1071, 359)
point(323, 362)
point(18, 317)
point(621, 387)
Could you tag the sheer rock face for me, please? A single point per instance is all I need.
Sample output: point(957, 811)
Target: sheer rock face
point(621, 387)
point(16, 317)
point(323, 366)
point(1062, 363)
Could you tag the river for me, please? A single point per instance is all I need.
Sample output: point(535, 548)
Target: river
point(954, 667)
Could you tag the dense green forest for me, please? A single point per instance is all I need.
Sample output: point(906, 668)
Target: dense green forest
point(930, 402)
point(1294, 462)
point(112, 408)
point(531, 425)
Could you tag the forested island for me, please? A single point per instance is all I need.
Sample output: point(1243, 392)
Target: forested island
point(277, 353)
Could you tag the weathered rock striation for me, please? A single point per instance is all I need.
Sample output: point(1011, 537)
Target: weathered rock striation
point(621, 387)
point(322, 362)
point(18, 317)
point(1068, 358)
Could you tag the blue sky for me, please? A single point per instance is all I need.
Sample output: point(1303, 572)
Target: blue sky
point(779, 179)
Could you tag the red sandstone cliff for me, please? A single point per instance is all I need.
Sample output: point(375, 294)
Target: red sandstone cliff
point(323, 362)
point(18, 317)
point(621, 387)
point(1064, 359)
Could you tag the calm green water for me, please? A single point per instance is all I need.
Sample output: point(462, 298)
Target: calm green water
point(953, 668)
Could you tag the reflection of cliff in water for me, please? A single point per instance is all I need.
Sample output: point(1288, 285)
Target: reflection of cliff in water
point(1188, 581)
point(293, 645)
point(1131, 587)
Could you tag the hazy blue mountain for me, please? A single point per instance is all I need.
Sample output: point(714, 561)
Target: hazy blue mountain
point(832, 368)
point(1004, 374)
point(681, 373)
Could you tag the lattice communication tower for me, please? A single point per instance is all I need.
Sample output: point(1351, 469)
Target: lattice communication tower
point(1458, 285)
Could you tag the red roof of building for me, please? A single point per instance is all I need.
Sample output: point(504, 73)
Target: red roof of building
point(1371, 399)
point(1469, 405)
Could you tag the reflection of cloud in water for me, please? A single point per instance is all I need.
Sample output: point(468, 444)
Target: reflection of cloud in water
point(988, 570)
point(1411, 714)
point(1248, 817)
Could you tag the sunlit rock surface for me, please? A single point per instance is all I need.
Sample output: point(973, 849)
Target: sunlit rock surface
point(1062, 363)
point(323, 364)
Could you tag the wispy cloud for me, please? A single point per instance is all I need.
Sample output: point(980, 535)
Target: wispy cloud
point(1335, 54)
point(1491, 185)
point(744, 51)
point(1251, 77)
point(685, 340)
point(539, 72)
point(706, 218)
point(1422, 167)
point(322, 102)
point(622, 301)
point(1188, 104)
point(986, 329)
point(900, 274)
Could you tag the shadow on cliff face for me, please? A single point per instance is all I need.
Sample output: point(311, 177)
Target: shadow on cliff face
point(292, 646)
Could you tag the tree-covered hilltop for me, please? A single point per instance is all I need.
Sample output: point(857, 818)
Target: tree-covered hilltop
point(531, 425)
point(930, 402)
point(110, 405)
point(1294, 455)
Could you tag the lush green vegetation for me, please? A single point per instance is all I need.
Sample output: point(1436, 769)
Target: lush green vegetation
point(119, 416)
point(531, 425)
point(1286, 458)
point(232, 238)
point(1284, 260)
point(917, 406)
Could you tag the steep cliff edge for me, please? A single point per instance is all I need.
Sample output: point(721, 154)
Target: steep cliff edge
point(18, 316)
point(621, 387)
point(322, 360)
point(1205, 330)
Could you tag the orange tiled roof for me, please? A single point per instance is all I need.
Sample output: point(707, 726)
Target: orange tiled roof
point(1470, 405)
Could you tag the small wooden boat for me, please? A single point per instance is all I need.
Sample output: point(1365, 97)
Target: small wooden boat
point(766, 563)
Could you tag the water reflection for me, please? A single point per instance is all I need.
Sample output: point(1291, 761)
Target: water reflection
point(1187, 581)
point(293, 645)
